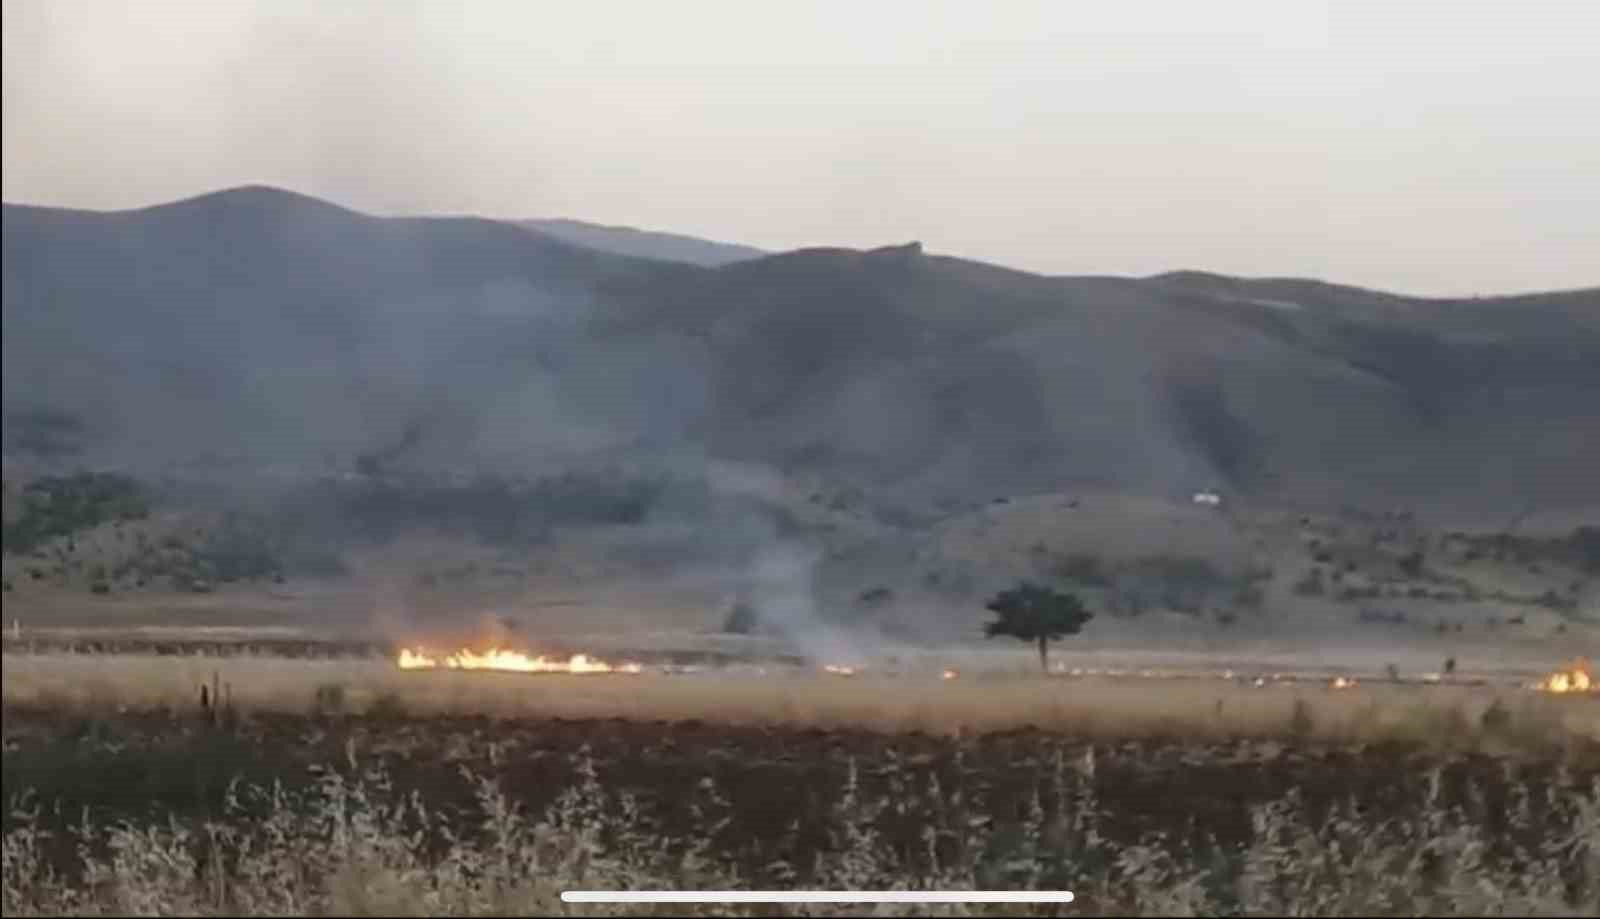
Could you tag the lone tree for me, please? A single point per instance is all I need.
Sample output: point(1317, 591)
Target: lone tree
point(1029, 612)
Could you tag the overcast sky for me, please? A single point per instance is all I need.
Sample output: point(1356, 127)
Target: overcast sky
point(1430, 147)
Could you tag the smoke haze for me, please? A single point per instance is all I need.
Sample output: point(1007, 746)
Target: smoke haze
point(1435, 149)
point(766, 428)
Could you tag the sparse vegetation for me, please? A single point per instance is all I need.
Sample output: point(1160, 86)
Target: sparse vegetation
point(1180, 583)
point(54, 507)
point(495, 510)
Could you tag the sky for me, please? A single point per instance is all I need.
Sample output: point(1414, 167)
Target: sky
point(1438, 147)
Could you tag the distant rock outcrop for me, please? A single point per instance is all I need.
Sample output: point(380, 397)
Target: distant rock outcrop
point(906, 252)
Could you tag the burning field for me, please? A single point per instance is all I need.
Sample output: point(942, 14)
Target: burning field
point(488, 779)
point(893, 696)
point(500, 659)
point(1575, 677)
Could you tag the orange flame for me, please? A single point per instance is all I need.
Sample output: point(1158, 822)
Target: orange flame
point(949, 674)
point(1340, 682)
point(839, 669)
point(513, 661)
point(1575, 677)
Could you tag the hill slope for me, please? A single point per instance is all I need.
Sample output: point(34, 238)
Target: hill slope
point(258, 326)
point(668, 247)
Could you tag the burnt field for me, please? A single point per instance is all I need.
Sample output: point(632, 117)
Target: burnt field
point(382, 807)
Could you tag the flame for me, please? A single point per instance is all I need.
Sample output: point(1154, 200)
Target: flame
point(949, 675)
point(514, 661)
point(839, 669)
point(1340, 682)
point(1575, 677)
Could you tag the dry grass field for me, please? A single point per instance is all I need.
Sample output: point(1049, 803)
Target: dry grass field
point(349, 787)
point(1099, 707)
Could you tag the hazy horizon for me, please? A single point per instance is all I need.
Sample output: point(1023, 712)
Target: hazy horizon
point(1433, 148)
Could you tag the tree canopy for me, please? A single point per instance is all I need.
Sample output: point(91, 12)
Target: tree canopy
point(1029, 612)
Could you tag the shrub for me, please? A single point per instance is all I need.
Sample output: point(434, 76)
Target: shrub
point(1301, 723)
point(742, 619)
point(1251, 597)
point(876, 596)
point(1585, 543)
point(329, 699)
point(1311, 585)
point(1411, 564)
point(1496, 719)
point(1081, 568)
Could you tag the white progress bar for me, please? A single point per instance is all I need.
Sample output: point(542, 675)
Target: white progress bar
point(816, 896)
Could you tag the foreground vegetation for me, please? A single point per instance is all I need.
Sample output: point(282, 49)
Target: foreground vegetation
point(345, 786)
point(375, 815)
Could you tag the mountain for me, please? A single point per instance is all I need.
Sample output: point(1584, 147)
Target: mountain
point(667, 247)
point(255, 326)
point(255, 322)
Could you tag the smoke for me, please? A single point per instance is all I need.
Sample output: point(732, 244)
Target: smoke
point(782, 582)
point(772, 562)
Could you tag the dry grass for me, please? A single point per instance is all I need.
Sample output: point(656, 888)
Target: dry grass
point(352, 845)
point(1483, 841)
point(1451, 716)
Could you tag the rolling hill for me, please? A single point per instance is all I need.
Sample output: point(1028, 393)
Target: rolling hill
point(256, 327)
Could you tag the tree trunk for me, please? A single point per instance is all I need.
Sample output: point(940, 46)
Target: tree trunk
point(1044, 654)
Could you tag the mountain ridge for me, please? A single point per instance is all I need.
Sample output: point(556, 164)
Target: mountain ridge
point(626, 240)
point(275, 325)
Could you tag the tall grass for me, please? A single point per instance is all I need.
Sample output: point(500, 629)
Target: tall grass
point(352, 844)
